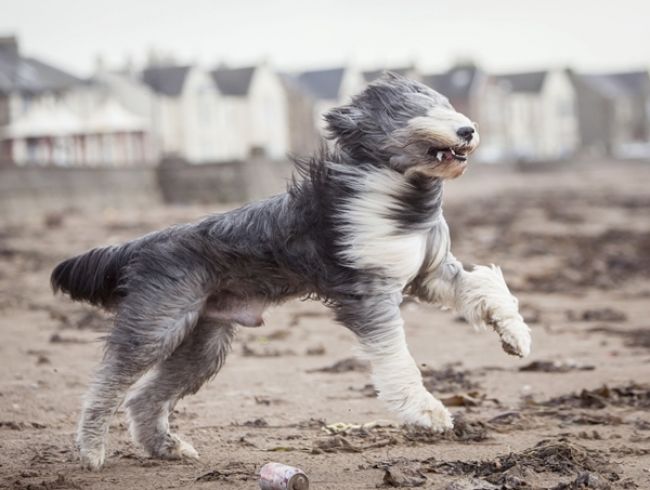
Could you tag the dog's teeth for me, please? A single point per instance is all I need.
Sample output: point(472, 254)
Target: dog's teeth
point(439, 156)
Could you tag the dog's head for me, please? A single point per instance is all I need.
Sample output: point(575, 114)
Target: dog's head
point(405, 125)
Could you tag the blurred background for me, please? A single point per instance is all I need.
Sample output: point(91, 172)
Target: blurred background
point(90, 84)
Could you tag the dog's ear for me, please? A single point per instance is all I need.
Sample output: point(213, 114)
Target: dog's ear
point(343, 122)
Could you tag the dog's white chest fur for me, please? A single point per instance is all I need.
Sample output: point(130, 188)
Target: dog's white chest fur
point(373, 239)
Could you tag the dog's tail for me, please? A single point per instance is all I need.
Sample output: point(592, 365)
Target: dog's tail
point(93, 276)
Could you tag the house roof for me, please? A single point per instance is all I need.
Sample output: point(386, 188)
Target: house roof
point(637, 82)
point(530, 82)
point(618, 84)
point(322, 84)
point(604, 85)
point(166, 80)
point(22, 74)
point(454, 83)
point(371, 75)
point(233, 81)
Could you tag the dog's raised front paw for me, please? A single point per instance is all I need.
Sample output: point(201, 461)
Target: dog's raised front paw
point(427, 412)
point(515, 337)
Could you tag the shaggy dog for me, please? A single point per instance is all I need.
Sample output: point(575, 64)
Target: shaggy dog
point(360, 226)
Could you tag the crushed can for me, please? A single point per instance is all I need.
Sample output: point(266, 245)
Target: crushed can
point(278, 476)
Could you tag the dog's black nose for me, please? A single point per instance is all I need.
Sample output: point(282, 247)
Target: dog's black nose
point(466, 132)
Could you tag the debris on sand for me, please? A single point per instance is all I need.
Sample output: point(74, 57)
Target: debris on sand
point(268, 401)
point(631, 395)
point(234, 471)
point(401, 473)
point(312, 423)
point(42, 356)
point(343, 366)
point(640, 424)
point(471, 399)
point(43, 360)
point(638, 337)
point(585, 481)
point(631, 450)
point(602, 261)
point(464, 430)
point(584, 418)
point(557, 211)
point(471, 484)
point(354, 429)
point(597, 315)
point(557, 366)
point(93, 320)
point(366, 436)
point(259, 422)
point(447, 380)
point(80, 318)
point(571, 417)
point(334, 444)
point(585, 399)
point(513, 471)
point(278, 335)
point(53, 219)
point(296, 318)
point(319, 350)
point(562, 457)
point(60, 482)
point(467, 430)
point(248, 351)
point(593, 435)
point(59, 339)
point(368, 390)
point(21, 425)
point(356, 438)
point(510, 421)
point(24, 259)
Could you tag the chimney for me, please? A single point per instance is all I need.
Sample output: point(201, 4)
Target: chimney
point(9, 46)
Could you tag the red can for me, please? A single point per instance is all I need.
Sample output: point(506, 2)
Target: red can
point(278, 476)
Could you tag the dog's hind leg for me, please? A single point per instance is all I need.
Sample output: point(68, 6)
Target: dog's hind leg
point(379, 326)
point(137, 342)
point(195, 361)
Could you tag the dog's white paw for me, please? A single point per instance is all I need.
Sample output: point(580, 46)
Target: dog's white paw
point(92, 459)
point(176, 448)
point(515, 337)
point(427, 412)
point(187, 451)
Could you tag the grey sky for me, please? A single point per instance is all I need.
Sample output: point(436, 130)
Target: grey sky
point(501, 34)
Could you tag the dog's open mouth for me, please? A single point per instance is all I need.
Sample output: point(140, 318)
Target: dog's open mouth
point(448, 154)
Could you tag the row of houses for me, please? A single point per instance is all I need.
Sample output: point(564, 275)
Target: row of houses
point(135, 117)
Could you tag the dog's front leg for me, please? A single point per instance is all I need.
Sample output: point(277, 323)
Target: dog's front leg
point(482, 297)
point(379, 326)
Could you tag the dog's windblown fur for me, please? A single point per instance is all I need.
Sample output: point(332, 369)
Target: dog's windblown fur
point(360, 225)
